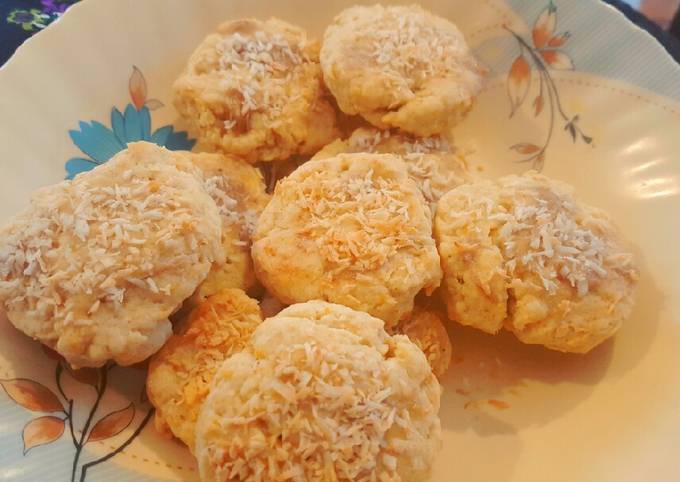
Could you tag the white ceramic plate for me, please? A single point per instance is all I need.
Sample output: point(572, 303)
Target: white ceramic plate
point(608, 122)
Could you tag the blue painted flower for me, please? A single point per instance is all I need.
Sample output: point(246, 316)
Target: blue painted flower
point(100, 143)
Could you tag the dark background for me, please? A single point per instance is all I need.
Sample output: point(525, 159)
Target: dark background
point(20, 19)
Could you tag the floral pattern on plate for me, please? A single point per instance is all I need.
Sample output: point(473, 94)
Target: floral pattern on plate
point(58, 413)
point(542, 55)
point(518, 407)
point(99, 143)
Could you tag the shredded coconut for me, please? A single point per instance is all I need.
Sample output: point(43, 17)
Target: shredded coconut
point(180, 373)
point(258, 54)
point(539, 232)
point(358, 223)
point(426, 329)
point(233, 212)
point(123, 218)
point(254, 89)
point(95, 239)
point(407, 42)
point(324, 404)
point(262, 58)
point(423, 156)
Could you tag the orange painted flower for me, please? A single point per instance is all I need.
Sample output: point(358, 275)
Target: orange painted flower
point(137, 87)
point(544, 28)
point(519, 81)
point(557, 60)
point(559, 40)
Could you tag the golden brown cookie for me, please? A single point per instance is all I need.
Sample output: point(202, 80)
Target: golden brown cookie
point(352, 229)
point(321, 393)
point(181, 372)
point(238, 190)
point(426, 329)
point(254, 89)
point(432, 162)
point(400, 67)
point(524, 254)
point(94, 267)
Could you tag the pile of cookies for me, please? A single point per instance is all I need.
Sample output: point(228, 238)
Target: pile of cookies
point(292, 282)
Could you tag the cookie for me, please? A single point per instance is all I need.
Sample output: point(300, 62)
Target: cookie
point(352, 229)
point(400, 67)
point(524, 254)
point(254, 89)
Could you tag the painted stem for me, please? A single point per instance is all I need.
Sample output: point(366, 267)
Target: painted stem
point(553, 96)
point(542, 67)
point(101, 388)
point(138, 430)
point(69, 401)
point(541, 156)
point(538, 158)
point(59, 369)
point(70, 424)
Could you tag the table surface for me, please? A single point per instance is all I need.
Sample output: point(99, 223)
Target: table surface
point(20, 19)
